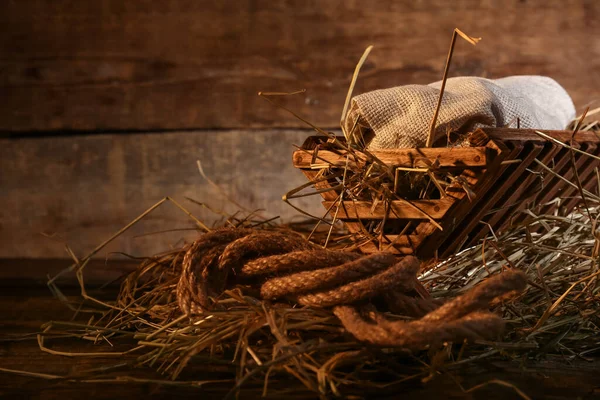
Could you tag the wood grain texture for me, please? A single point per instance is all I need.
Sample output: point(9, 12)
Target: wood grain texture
point(188, 64)
point(408, 158)
point(85, 188)
point(415, 209)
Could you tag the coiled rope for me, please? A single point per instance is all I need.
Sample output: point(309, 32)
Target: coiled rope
point(284, 266)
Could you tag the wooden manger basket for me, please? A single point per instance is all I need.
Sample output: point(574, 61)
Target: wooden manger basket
point(503, 172)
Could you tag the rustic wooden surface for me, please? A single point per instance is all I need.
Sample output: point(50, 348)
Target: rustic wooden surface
point(416, 209)
point(24, 308)
point(82, 189)
point(409, 158)
point(187, 64)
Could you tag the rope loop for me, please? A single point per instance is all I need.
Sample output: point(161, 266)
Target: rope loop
point(284, 266)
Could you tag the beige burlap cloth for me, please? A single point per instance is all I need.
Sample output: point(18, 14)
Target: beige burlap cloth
point(399, 117)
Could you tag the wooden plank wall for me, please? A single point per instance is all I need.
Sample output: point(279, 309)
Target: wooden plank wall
point(108, 104)
point(83, 188)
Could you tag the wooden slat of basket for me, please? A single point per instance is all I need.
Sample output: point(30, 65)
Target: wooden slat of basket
point(428, 232)
point(561, 163)
point(353, 227)
point(398, 244)
point(491, 214)
point(586, 173)
point(460, 211)
point(561, 166)
point(407, 158)
point(515, 196)
point(475, 178)
point(583, 165)
point(425, 229)
point(518, 197)
point(327, 195)
point(506, 177)
point(589, 182)
point(557, 186)
point(313, 176)
point(506, 134)
point(399, 209)
point(549, 184)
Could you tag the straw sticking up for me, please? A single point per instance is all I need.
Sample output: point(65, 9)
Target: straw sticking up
point(469, 39)
point(351, 89)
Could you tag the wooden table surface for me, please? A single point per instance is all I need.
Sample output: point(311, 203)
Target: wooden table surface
point(26, 304)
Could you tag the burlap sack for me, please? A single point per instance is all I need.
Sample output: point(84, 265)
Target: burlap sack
point(399, 117)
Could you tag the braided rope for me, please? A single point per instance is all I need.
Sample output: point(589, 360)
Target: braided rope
point(200, 258)
point(285, 266)
point(325, 278)
point(418, 334)
point(297, 261)
point(400, 276)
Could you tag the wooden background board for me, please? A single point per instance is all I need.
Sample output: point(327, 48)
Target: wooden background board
point(159, 84)
point(189, 64)
point(85, 188)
